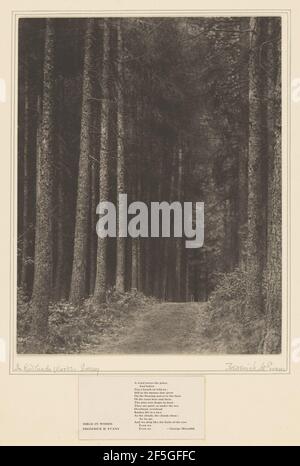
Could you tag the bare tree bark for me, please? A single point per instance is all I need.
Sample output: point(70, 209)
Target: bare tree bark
point(242, 132)
point(242, 205)
point(44, 196)
point(178, 270)
point(121, 242)
point(255, 157)
point(187, 279)
point(101, 272)
point(79, 271)
point(93, 235)
point(167, 246)
point(272, 337)
point(59, 277)
point(159, 249)
point(59, 210)
point(26, 175)
point(134, 245)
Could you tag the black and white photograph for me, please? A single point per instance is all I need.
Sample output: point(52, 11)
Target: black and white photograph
point(149, 181)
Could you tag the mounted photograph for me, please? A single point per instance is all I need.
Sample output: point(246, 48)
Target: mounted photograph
point(149, 185)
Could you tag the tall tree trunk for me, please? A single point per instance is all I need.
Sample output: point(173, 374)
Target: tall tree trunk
point(272, 338)
point(121, 242)
point(93, 236)
point(148, 243)
point(242, 131)
point(135, 172)
point(178, 244)
point(26, 233)
point(134, 245)
point(242, 205)
point(167, 245)
point(158, 251)
point(101, 272)
point(256, 153)
point(44, 196)
point(187, 278)
point(59, 275)
point(79, 270)
point(134, 264)
point(59, 209)
point(139, 243)
point(228, 232)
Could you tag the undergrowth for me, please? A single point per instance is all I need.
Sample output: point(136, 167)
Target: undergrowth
point(223, 327)
point(229, 331)
point(72, 328)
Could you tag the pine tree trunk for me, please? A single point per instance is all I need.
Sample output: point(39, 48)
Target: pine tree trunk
point(147, 244)
point(26, 239)
point(59, 209)
point(44, 196)
point(135, 171)
point(242, 205)
point(187, 280)
point(79, 270)
point(255, 157)
point(167, 245)
point(178, 243)
point(59, 275)
point(121, 242)
point(242, 163)
point(139, 244)
point(101, 272)
point(134, 265)
point(272, 338)
point(134, 247)
point(93, 235)
point(159, 249)
point(227, 256)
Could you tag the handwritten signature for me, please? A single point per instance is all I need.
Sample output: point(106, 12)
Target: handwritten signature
point(267, 366)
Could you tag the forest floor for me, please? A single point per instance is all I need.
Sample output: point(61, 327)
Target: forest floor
point(163, 328)
point(168, 328)
point(135, 324)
